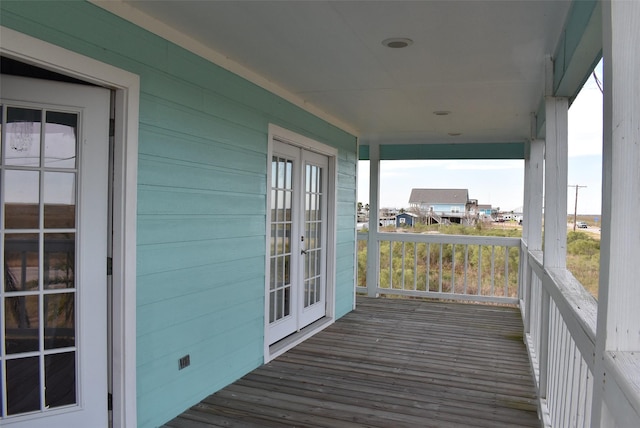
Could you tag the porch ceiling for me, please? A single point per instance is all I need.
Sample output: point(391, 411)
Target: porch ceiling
point(483, 61)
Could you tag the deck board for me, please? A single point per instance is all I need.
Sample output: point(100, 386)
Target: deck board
point(389, 363)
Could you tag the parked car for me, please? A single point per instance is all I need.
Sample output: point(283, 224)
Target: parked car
point(582, 225)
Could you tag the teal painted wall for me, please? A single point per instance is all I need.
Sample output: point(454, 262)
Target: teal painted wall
point(445, 208)
point(201, 202)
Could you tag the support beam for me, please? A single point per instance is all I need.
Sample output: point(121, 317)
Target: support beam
point(619, 295)
point(373, 249)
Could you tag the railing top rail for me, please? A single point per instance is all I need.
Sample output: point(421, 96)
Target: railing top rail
point(437, 238)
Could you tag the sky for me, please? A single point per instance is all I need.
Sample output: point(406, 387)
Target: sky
point(501, 182)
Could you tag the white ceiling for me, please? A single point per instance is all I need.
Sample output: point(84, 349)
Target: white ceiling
point(481, 60)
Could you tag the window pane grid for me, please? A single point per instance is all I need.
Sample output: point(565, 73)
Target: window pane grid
point(280, 245)
point(38, 174)
point(313, 231)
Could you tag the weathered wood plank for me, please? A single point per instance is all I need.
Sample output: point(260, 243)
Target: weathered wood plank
point(400, 363)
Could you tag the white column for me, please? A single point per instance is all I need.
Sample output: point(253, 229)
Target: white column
point(533, 217)
point(523, 283)
point(555, 186)
point(373, 247)
point(532, 222)
point(619, 292)
point(555, 213)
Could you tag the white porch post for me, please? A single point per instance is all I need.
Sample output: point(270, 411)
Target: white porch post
point(373, 251)
point(535, 167)
point(522, 266)
point(532, 222)
point(618, 330)
point(555, 213)
point(555, 186)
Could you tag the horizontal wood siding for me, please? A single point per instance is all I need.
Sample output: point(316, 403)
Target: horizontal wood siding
point(201, 202)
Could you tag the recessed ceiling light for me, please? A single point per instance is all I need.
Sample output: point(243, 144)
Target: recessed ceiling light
point(455, 134)
point(442, 113)
point(397, 42)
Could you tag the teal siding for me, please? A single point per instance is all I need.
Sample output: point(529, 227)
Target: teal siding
point(201, 202)
point(445, 208)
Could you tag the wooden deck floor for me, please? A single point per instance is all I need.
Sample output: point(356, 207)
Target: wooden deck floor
point(390, 363)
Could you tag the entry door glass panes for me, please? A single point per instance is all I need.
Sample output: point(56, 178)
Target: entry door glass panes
point(38, 191)
point(280, 238)
point(313, 218)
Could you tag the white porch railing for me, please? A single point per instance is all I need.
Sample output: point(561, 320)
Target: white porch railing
point(455, 267)
point(559, 315)
point(560, 324)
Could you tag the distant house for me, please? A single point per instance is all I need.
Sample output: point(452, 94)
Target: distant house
point(406, 219)
point(441, 205)
point(485, 211)
point(387, 221)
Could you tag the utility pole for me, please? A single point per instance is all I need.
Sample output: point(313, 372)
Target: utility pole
point(575, 209)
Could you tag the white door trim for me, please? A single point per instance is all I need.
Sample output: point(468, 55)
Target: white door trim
point(127, 88)
point(295, 139)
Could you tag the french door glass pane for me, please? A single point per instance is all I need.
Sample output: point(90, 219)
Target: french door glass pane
point(21, 261)
point(21, 199)
point(313, 223)
point(22, 146)
point(22, 323)
point(60, 140)
point(59, 260)
point(59, 320)
point(23, 385)
point(60, 379)
point(59, 200)
point(38, 193)
point(281, 235)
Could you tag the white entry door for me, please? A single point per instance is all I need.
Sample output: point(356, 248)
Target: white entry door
point(53, 240)
point(297, 268)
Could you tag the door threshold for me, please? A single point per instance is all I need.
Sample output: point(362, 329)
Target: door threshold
point(283, 345)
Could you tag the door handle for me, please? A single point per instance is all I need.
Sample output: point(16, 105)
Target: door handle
point(303, 251)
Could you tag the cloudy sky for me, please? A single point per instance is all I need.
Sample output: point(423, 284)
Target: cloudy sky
point(500, 183)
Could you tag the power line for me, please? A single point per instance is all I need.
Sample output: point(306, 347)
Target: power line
point(595, 76)
point(575, 209)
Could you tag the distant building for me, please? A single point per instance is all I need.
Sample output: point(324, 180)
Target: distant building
point(406, 220)
point(485, 211)
point(442, 205)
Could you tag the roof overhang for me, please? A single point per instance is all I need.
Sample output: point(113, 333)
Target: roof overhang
point(466, 87)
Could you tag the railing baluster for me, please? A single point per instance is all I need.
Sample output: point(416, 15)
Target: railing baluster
point(440, 271)
point(390, 265)
point(506, 271)
point(453, 268)
point(415, 266)
point(571, 396)
point(564, 376)
point(554, 363)
point(428, 285)
point(403, 265)
point(543, 358)
point(479, 270)
point(493, 269)
point(466, 266)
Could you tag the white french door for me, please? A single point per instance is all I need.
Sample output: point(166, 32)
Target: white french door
point(297, 268)
point(53, 240)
